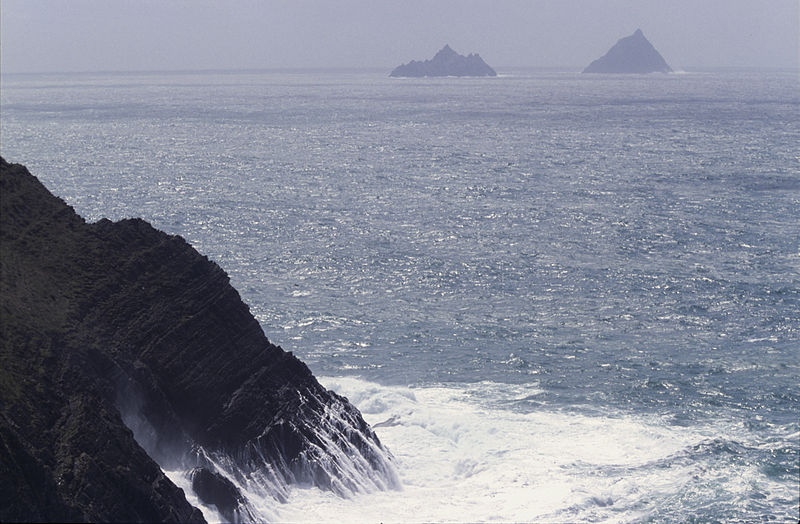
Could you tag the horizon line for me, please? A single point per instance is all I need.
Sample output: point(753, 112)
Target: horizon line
point(341, 69)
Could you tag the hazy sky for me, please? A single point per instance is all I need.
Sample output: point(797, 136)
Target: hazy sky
point(115, 35)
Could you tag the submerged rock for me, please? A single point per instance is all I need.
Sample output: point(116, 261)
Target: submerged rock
point(446, 63)
point(124, 349)
point(632, 54)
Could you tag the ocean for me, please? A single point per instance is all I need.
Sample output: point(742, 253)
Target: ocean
point(557, 297)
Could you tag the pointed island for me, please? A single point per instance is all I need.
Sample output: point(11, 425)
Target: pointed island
point(446, 63)
point(632, 54)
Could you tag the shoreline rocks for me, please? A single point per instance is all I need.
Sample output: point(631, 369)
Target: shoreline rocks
point(124, 350)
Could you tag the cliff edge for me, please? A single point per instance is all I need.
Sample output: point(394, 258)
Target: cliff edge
point(125, 351)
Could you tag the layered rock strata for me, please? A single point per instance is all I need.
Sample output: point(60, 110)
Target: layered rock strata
point(124, 349)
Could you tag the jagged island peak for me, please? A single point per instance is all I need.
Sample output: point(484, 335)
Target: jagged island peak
point(632, 54)
point(446, 62)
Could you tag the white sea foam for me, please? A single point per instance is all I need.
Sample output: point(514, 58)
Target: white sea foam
point(460, 461)
point(265, 485)
point(180, 479)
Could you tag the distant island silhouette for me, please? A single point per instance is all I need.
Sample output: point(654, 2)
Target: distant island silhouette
point(632, 54)
point(445, 63)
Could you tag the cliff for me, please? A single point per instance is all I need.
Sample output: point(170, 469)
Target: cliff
point(446, 63)
point(632, 54)
point(124, 349)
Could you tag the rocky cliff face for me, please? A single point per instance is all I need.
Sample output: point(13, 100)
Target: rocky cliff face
point(124, 349)
point(632, 54)
point(446, 63)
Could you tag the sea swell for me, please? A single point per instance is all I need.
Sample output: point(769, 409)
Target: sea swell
point(591, 286)
point(472, 452)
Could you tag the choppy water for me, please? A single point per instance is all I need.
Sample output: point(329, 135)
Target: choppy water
point(571, 297)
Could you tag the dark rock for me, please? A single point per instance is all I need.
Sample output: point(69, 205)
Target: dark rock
point(446, 63)
point(632, 54)
point(214, 489)
point(112, 327)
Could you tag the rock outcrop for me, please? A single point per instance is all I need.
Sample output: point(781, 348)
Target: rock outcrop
point(214, 489)
point(446, 63)
point(632, 54)
point(124, 349)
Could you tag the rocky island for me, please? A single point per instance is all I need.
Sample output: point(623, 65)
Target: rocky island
point(632, 54)
point(126, 353)
point(445, 63)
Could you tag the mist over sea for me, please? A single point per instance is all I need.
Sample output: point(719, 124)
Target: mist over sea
point(557, 297)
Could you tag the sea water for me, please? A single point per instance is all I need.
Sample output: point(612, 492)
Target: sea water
point(557, 297)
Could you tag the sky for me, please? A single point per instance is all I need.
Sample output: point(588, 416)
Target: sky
point(158, 35)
